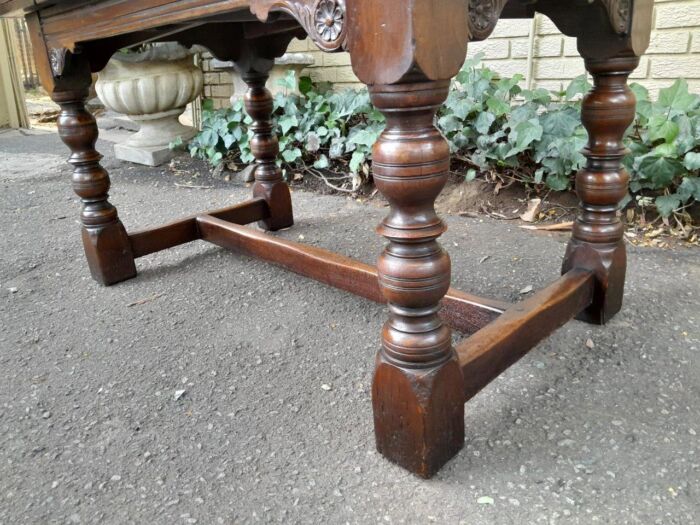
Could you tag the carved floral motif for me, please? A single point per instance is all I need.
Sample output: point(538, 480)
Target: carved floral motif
point(323, 20)
point(329, 20)
point(483, 16)
point(57, 57)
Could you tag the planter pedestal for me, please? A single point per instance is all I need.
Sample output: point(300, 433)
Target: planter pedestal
point(153, 89)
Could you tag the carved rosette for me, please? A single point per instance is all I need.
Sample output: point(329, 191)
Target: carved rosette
point(483, 16)
point(323, 20)
point(619, 12)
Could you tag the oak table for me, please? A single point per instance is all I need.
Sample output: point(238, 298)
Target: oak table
point(406, 52)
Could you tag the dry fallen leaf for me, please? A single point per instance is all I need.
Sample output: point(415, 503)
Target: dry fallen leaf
point(533, 210)
point(589, 343)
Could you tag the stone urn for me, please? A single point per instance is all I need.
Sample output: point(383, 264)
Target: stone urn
point(153, 88)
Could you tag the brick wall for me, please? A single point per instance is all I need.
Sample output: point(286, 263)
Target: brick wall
point(674, 52)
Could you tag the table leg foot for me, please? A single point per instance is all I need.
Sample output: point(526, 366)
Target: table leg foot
point(269, 184)
point(105, 240)
point(597, 244)
point(418, 390)
point(418, 414)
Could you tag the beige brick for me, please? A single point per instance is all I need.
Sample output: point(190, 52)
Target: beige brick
point(207, 91)
point(510, 28)
point(298, 46)
point(507, 68)
point(681, 14)
point(220, 103)
point(548, 46)
point(558, 68)
point(492, 48)
point(668, 42)
point(322, 74)
point(551, 85)
point(571, 47)
point(221, 91)
point(674, 67)
point(348, 85)
point(519, 47)
point(336, 59)
point(695, 42)
point(694, 86)
point(212, 78)
point(544, 27)
point(642, 70)
point(345, 74)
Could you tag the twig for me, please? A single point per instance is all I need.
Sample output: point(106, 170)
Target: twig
point(562, 226)
point(193, 187)
point(146, 300)
point(320, 175)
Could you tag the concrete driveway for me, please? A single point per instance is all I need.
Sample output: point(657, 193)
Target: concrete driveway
point(91, 430)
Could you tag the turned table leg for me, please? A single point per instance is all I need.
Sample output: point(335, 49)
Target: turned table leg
point(597, 242)
point(417, 392)
point(105, 240)
point(269, 184)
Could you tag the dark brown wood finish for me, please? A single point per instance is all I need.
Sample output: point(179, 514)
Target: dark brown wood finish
point(254, 67)
point(406, 52)
point(418, 416)
point(597, 242)
point(489, 352)
point(185, 230)
point(463, 312)
point(105, 240)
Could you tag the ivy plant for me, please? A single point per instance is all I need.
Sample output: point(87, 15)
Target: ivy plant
point(491, 123)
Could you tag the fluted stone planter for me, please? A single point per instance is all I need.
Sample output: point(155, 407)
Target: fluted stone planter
point(153, 88)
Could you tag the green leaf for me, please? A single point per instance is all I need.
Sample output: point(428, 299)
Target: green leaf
point(450, 124)
point(524, 134)
point(322, 162)
point(497, 106)
point(659, 171)
point(578, 86)
point(692, 161)
point(690, 187)
point(484, 121)
point(561, 123)
point(358, 158)
point(640, 92)
point(288, 81)
point(291, 155)
point(661, 128)
point(208, 104)
point(215, 159)
point(471, 175)
point(365, 137)
point(208, 138)
point(667, 204)
point(287, 122)
point(558, 182)
point(677, 97)
point(306, 85)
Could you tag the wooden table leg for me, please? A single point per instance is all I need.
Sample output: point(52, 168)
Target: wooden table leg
point(106, 243)
point(597, 244)
point(417, 389)
point(269, 184)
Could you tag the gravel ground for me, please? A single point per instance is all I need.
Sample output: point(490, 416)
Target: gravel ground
point(95, 428)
